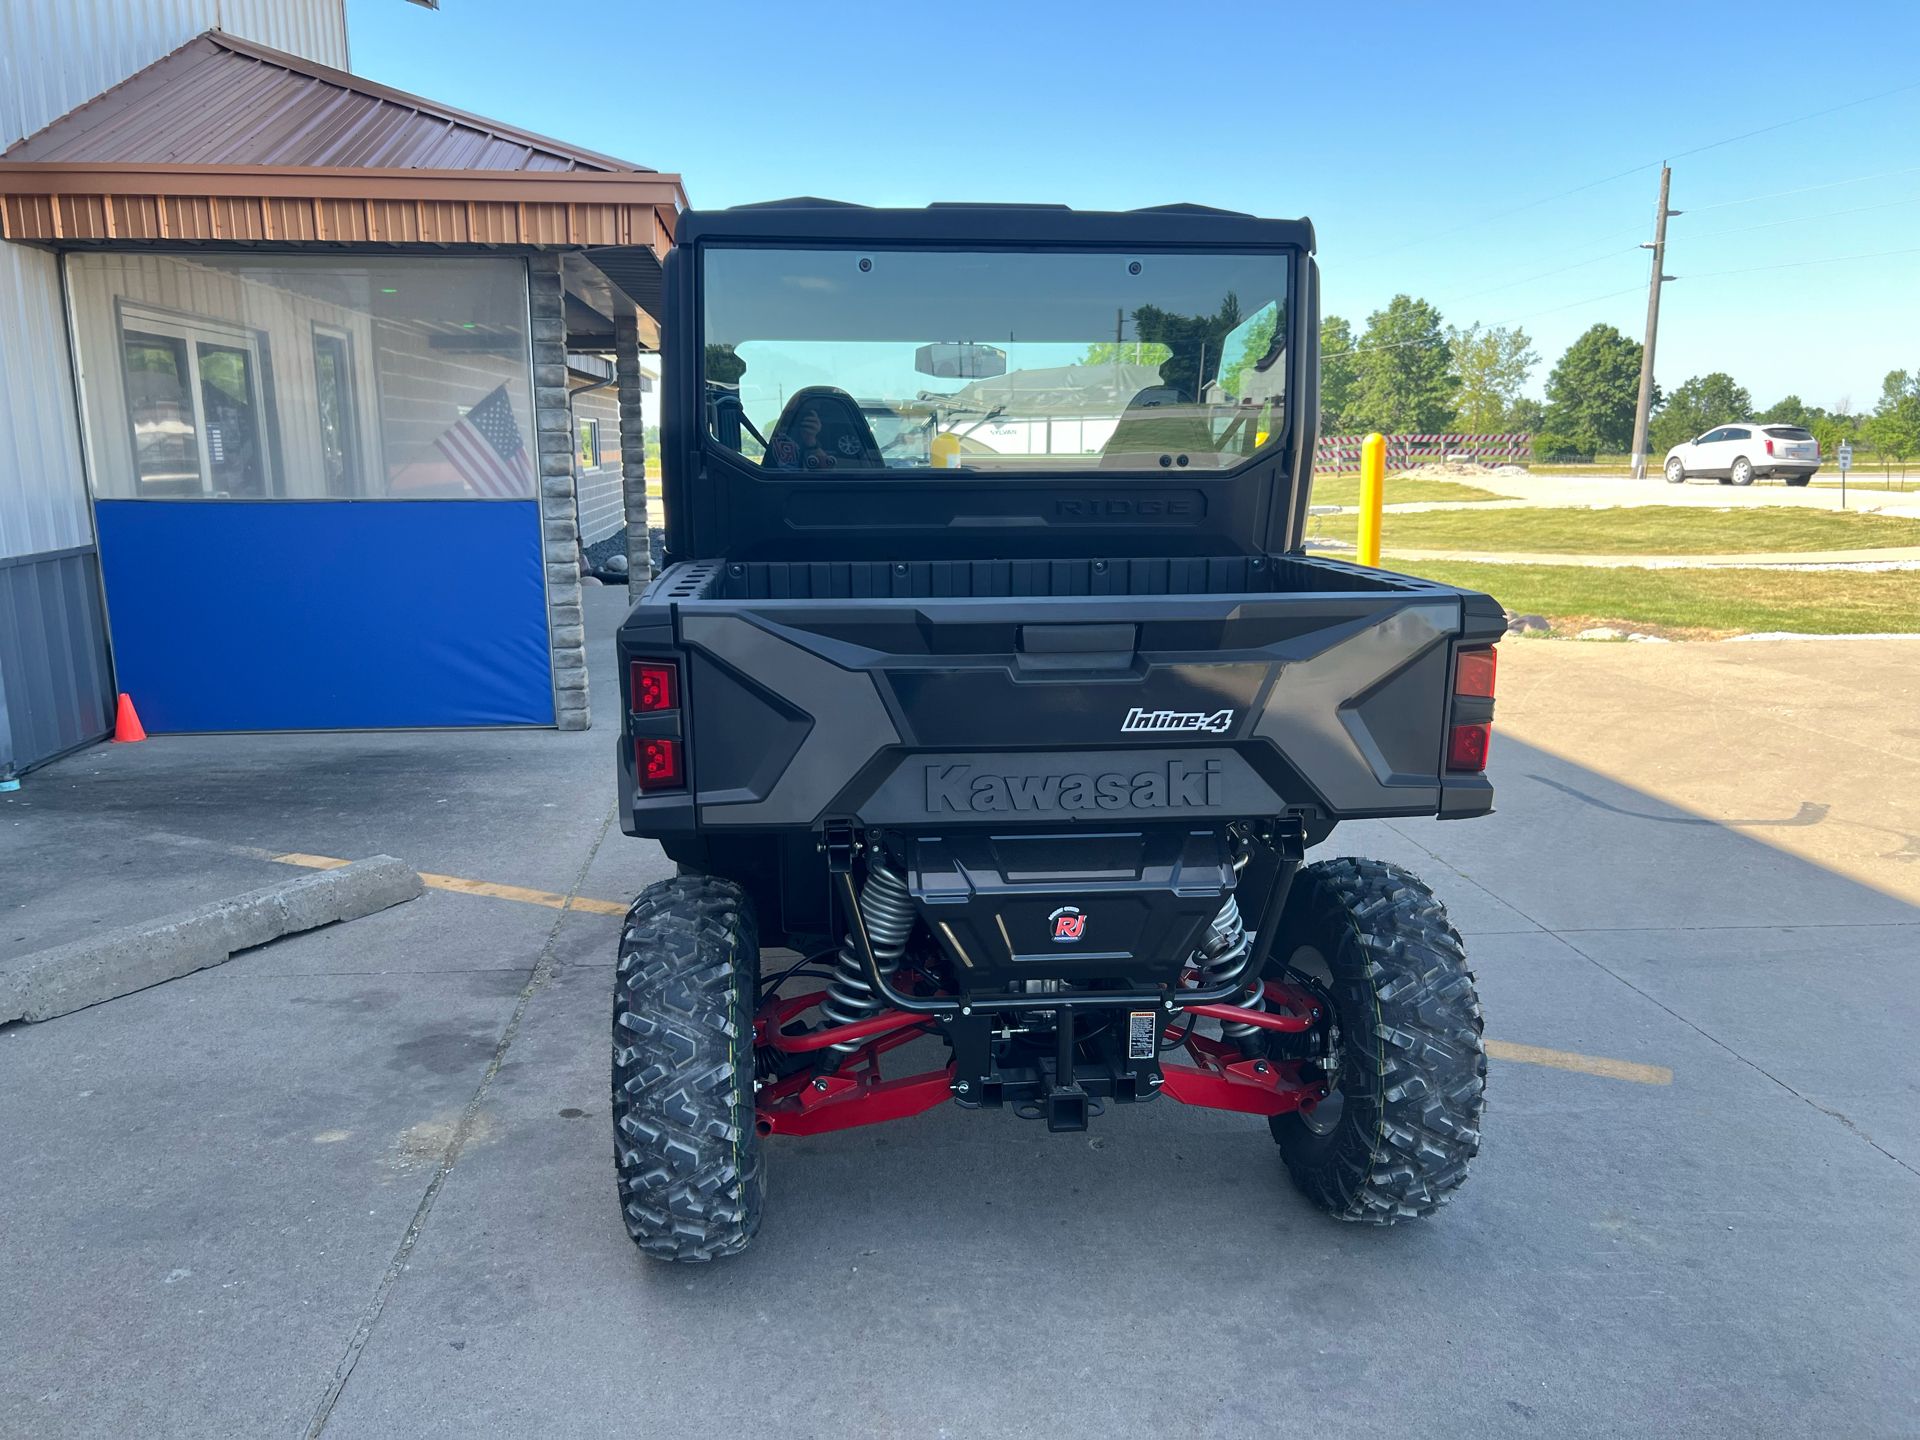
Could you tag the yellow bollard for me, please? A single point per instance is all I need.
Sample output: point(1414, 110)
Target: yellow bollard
point(1373, 493)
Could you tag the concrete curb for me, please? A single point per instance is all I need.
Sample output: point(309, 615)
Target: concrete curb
point(103, 967)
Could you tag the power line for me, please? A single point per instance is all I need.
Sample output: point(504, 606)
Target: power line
point(1505, 214)
point(1632, 289)
point(1795, 120)
point(1802, 219)
point(1797, 264)
point(1613, 254)
point(1635, 170)
point(1805, 189)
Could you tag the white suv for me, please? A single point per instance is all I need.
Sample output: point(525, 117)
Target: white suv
point(1734, 454)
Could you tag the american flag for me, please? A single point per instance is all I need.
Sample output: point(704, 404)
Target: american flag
point(486, 447)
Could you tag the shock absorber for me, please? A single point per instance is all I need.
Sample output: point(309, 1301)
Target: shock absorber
point(1223, 951)
point(888, 911)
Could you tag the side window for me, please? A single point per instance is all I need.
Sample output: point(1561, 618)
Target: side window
point(589, 444)
point(1736, 434)
point(1711, 436)
point(193, 397)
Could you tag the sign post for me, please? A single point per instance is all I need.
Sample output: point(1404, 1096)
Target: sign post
point(1845, 460)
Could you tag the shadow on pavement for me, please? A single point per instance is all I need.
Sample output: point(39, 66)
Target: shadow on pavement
point(212, 1184)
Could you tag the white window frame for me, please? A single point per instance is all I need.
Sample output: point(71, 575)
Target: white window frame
point(195, 331)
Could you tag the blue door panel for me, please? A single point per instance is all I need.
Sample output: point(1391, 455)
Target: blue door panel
point(327, 615)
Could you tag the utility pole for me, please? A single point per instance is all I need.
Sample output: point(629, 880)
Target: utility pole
point(1643, 408)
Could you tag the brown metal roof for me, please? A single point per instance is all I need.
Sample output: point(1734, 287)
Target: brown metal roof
point(218, 100)
point(224, 142)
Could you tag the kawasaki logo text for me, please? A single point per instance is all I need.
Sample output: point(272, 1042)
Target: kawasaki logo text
point(1174, 786)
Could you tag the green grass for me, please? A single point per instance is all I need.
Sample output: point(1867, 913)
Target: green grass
point(1698, 603)
point(1401, 490)
point(1634, 530)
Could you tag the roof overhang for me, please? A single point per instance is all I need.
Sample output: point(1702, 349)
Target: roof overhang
point(67, 203)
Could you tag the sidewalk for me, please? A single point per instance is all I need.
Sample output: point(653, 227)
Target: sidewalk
point(1610, 491)
point(1892, 557)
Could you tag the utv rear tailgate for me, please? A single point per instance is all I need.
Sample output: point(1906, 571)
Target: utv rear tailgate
point(1073, 692)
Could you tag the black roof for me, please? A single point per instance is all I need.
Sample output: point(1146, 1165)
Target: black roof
point(809, 218)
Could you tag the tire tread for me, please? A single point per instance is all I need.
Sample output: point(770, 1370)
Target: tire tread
point(1397, 957)
point(691, 1174)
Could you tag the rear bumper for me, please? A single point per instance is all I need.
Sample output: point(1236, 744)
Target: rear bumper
point(1794, 468)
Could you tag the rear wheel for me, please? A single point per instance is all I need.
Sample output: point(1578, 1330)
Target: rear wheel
point(1742, 472)
point(685, 1149)
point(1676, 472)
point(1798, 480)
point(1401, 1123)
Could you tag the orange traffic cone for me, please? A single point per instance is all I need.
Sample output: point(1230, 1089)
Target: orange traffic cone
point(126, 721)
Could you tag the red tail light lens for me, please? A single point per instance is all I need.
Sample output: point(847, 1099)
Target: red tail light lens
point(1473, 673)
point(655, 685)
point(1467, 748)
point(1769, 447)
point(656, 764)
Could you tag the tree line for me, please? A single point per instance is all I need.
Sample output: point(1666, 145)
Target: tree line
point(1410, 373)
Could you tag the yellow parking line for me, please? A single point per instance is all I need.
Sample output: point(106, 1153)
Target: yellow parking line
point(462, 886)
point(1601, 1065)
point(1584, 1064)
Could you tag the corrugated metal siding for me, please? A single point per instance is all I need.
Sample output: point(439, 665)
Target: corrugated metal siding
point(43, 495)
point(56, 54)
point(53, 658)
point(597, 493)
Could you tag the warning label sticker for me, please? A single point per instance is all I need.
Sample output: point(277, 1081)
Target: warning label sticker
point(1140, 1035)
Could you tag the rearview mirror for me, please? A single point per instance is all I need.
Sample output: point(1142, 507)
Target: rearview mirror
point(960, 360)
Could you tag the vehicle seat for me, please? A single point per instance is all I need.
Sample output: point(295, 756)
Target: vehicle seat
point(845, 436)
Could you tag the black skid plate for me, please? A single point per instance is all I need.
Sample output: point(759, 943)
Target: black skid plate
point(1120, 909)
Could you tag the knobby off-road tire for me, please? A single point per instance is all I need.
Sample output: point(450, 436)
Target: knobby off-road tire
point(1413, 1073)
point(691, 1173)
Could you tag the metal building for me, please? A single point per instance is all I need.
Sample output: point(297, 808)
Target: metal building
point(272, 337)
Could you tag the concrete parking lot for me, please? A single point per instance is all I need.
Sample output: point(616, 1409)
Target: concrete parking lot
point(1578, 487)
point(358, 1182)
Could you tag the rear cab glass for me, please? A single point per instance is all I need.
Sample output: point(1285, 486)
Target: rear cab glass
point(864, 359)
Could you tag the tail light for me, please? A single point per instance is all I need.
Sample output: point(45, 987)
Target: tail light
point(1471, 733)
point(1467, 748)
point(657, 764)
point(655, 685)
point(653, 702)
point(1769, 447)
point(1474, 671)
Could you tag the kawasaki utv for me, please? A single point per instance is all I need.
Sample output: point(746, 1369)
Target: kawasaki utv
point(988, 681)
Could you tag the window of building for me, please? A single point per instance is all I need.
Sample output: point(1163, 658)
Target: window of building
point(193, 404)
point(333, 393)
point(281, 377)
point(589, 437)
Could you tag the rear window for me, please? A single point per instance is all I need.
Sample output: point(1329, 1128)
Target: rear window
point(851, 359)
point(1789, 432)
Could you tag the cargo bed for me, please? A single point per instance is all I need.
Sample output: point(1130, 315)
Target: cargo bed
point(981, 579)
point(877, 693)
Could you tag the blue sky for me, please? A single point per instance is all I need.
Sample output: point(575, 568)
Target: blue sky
point(1408, 132)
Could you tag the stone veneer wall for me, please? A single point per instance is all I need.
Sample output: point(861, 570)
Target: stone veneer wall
point(559, 518)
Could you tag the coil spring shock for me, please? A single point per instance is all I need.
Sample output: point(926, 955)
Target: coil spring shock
point(888, 910)
point(1222, 953)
